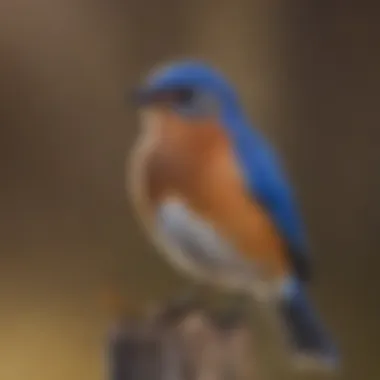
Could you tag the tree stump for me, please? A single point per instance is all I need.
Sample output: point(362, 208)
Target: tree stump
point(194, 345)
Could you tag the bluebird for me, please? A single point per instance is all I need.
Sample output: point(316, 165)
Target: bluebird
point(213, 196)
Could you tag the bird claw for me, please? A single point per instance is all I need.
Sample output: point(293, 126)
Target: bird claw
point(233, 315)
point(182, 304)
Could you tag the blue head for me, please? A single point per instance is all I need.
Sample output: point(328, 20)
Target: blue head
point(192, 89)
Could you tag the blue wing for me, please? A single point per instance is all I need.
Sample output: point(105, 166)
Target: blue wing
point(267, 183)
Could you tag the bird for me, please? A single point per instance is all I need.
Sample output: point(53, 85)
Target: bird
point(212, 194)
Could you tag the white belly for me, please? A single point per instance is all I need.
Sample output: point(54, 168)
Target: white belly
point(193, 245)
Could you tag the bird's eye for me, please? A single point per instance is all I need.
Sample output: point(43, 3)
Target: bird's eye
point(192, 102)
point(183, 96)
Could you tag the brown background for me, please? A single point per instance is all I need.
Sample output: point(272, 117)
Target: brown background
point(308, 74)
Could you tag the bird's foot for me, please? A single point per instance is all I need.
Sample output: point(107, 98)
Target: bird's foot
point(191, 299)
point(227, 312)
point(233, 313)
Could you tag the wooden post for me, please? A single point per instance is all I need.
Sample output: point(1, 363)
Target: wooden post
point(191, 346)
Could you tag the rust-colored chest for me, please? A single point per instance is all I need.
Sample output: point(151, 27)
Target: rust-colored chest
point(196, 165)
point(186, 161)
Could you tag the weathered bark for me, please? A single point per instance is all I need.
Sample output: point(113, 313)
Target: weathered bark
point(192, 347)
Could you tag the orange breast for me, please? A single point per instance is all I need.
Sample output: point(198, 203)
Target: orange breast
point(195, 162)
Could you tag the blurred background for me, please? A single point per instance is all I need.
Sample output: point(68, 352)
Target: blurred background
point(309, 76)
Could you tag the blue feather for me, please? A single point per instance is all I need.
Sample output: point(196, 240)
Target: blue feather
point(267, 182)
point(304, 327)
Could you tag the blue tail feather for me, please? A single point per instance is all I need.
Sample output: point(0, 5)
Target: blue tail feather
point(304, 327)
